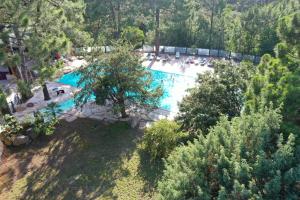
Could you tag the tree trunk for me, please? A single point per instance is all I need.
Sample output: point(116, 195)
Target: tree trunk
point(211, 23)
point(123, 109)
point(16, 70)
point(23, 68)
point(157, 32)
point(119, 20)
point(46, 92)
point(115, 17)
point(123, 112)
point(122, 106)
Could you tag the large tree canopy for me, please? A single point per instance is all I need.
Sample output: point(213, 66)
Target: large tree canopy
point(276, 81)
point(36, 30)
point(216, 93)
point(247, 27)
point(120, 78)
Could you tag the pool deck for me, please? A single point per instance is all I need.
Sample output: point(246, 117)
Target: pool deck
point(91, 110)
point(176, 66)
point(23, 111)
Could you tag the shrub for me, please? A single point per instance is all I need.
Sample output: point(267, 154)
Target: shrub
point(10, 129)
point(53, 110)
point(42, 126)
point(4, 108)
point(162, 137)
point(25, 90)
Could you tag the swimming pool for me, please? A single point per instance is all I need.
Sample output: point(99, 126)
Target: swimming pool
point(174, 86)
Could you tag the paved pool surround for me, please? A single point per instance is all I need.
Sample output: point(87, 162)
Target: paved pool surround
point(175, 75)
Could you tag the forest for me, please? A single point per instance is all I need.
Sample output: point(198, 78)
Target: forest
point(243, 26)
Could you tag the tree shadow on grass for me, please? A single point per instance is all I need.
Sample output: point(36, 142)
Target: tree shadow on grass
point(150, 170)
point(82, 161)
point(18, 162)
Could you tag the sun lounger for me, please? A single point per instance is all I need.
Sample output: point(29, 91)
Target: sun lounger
point(58, 90)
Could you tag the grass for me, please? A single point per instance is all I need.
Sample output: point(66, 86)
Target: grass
point(82, 160)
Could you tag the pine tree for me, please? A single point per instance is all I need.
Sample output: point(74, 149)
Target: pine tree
point(36, 30)
point(245, 158)
point(276, 81)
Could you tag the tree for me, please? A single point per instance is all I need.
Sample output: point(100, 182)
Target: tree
point(248, 28)
point(268, 85)
point(277, 78)
point(24, 89)
point(220, 92)
point(53, 110)
point(157, 6)
point(120, 78)
point(133, 35)
point(245, 158)
point(291, 109)
point(36, 30)
point(105, 15)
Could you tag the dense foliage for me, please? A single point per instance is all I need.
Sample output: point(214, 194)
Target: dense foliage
point(10, 129)
point(162, 137)
point(134, 36)
point(44, 124)
point(24, 89)
point(253, 156)
point(277, 78)
point(37, 30)
point(246, 158)
point(216, 93)
point(242, 26)
point(4, 108)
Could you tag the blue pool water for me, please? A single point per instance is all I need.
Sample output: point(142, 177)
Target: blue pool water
point(167, 80)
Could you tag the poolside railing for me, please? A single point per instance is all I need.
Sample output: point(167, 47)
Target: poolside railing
point(182, 50)
point(201, 52)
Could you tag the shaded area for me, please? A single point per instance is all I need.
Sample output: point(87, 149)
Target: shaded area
point(82, 160)
point(150, 171)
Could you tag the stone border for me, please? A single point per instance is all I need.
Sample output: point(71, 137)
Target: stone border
point(137, 119)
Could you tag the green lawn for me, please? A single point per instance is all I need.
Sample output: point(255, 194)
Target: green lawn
point(84, 159)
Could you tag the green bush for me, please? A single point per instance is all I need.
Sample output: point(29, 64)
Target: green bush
point(25, 90)
point(42, 126)
point(53, 110)
point(4, 108)
point(162, 137)
point(10, 129)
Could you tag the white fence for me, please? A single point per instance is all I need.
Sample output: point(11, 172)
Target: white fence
point(182, 50)
point(202, 52)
